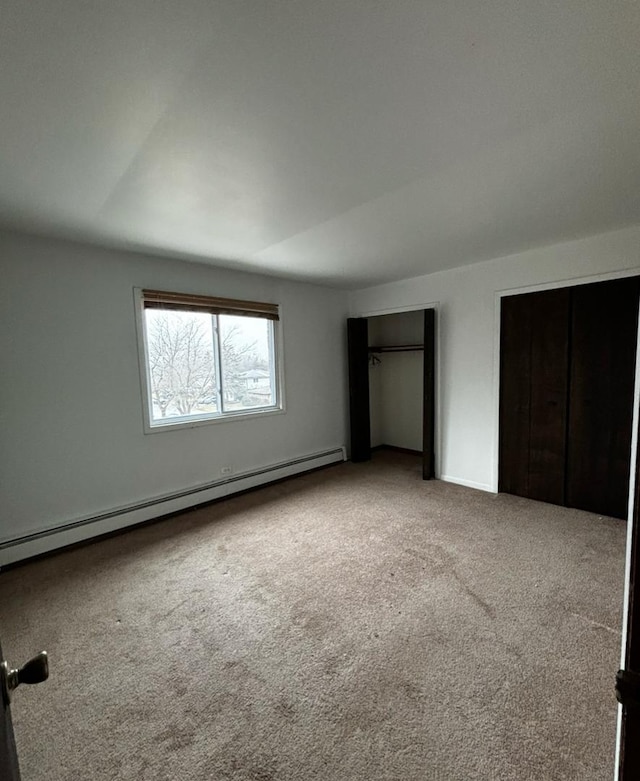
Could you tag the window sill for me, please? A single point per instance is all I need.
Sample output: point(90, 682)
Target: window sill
point(176, 424)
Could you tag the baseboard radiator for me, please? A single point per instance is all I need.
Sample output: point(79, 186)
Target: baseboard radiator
point(39, 542)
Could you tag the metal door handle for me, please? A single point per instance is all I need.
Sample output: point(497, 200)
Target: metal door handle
point(35, 670)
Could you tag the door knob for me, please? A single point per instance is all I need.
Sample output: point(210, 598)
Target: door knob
point(35, 670)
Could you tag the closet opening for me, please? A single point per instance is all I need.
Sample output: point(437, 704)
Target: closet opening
point(392, 385)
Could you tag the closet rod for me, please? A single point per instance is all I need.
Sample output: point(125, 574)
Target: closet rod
point(396, 348)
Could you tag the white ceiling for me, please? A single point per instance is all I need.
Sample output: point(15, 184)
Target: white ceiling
point(341, 141)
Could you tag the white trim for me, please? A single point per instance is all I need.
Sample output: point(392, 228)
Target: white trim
point(495, 457)
point(278, 357)
point(467, 483)
point(176, 423)
point(81, 529)
point(603, 276)
point(498, 296)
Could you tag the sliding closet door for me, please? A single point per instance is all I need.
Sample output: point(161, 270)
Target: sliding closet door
point(603, 348)
point(548, 417)
point(534, 355)
point(358, 357)
point(429, 393)
point(515, 395)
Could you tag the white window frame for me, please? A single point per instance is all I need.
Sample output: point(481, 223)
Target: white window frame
point(193, 421)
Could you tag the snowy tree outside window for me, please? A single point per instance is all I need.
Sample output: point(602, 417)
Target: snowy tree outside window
point(202, 365)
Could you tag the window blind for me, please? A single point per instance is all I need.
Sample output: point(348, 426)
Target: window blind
point(158, 299)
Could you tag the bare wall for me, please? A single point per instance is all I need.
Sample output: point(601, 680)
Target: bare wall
point(72, 440)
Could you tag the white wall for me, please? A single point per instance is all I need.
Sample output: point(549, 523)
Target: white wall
point(396, 383)
point(467, 300)
point(72, 441)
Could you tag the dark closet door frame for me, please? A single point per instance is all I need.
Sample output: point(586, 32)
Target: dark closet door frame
point(360, 411)
point(429, 395)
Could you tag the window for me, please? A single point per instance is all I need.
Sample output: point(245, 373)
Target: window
point(208, 358)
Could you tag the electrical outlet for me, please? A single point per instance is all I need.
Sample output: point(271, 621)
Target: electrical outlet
point(226, 470)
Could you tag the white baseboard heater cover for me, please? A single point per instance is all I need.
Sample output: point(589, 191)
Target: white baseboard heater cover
point(36, 543)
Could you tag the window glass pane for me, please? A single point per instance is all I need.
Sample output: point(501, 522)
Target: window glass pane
point(181, 364)
point(246, 352)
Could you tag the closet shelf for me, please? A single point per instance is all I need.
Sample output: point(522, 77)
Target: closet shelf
point(396, 348)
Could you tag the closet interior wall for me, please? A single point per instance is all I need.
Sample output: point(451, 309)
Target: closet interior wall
point(396, 381)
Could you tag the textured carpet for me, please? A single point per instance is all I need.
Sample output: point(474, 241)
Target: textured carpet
point(355, 623)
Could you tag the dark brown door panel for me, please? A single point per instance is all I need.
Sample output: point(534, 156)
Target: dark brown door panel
point(533, 394)
point(602, 374)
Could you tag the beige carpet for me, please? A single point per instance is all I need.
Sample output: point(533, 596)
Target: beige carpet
point(352, 624)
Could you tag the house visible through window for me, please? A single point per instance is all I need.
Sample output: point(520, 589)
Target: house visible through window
point(208, 358)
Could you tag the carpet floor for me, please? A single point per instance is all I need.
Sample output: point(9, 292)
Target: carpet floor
point(351, 624)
